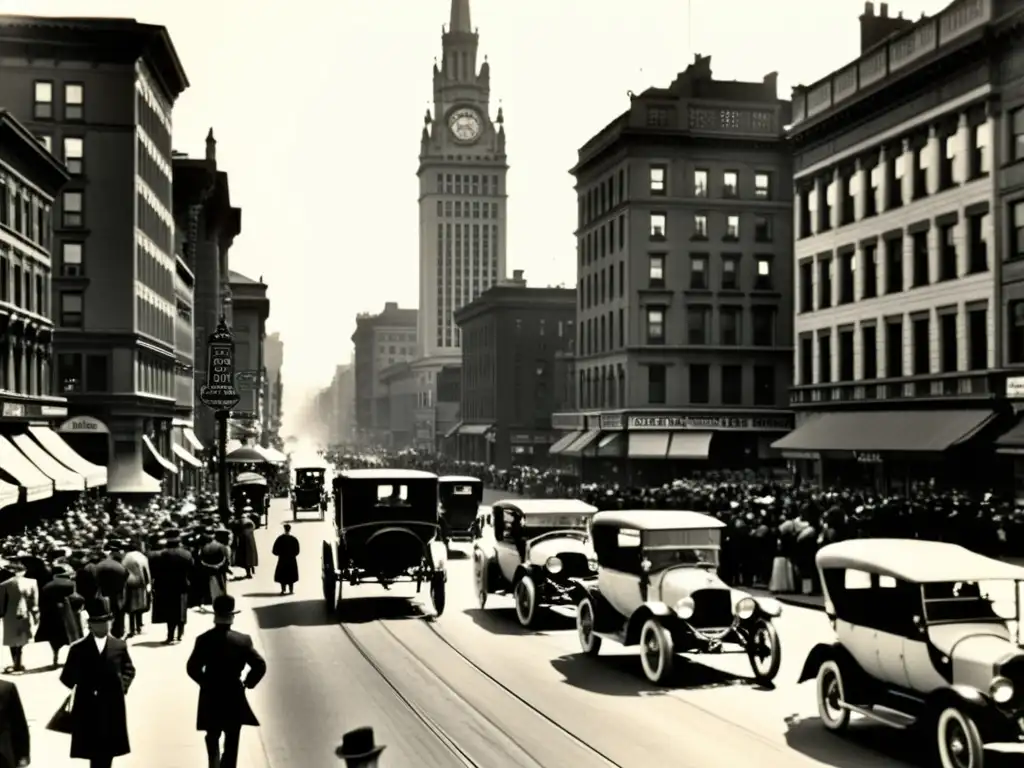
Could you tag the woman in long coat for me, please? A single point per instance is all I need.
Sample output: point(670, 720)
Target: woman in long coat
point(136, 601)
point(60, 611)
point(246, 555)
point(19, 611)
point(286, 550)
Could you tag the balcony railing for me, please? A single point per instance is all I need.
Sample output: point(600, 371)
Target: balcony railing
point(972, 385)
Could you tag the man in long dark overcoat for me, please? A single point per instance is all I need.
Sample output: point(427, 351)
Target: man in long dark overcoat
point(85, 577)
point(246, 554)
point(60, 609)
point(216, 664)
point(215, 566)
point(100, 671)
point(171, 569)
point(286, 550)
point(112, 578)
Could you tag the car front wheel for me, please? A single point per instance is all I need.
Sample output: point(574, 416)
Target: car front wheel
point(959, 742)
point(525, 595)
point(831, 695)
point(764, 651)
point(589, 642)
point(657, 654)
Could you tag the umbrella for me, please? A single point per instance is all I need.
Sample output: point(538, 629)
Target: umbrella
point(245, 455)
point(250, 478)
point(273, 455)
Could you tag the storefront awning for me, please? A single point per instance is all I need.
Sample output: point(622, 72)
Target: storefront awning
point(612, 445)
point(232, 445)
point(563, 442)
point(63, 478)
point(55, 445)
point(648, 445)
point(127, 476)
point(582, 442)
point(1011, 442)
point(186, 457)
point(273, 455)
point(9, 494)
point(192, 440)
point(37, 485)
point(885, 431)
point(690, 445)
point(453, 431)
point(475, 429)
point(165, 464)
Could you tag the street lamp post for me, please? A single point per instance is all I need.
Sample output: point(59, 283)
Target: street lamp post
point(220, 395)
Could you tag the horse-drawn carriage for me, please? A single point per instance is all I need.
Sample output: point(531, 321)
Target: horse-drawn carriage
point(386, 531)
point(309, 492)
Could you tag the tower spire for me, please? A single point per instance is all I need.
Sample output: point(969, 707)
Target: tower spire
point(459, 21)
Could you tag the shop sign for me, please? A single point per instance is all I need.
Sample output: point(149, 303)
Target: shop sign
point(14, 411)
point(566, 422)
point(219, 392)
point(1015, 387)
point(611, 421)
point(53, 410)
point(723, 423)
point(867, 457)
point(84, 425)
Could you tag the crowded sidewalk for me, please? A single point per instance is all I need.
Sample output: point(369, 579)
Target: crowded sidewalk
point(161, 703)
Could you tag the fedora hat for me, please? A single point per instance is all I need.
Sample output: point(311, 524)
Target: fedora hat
point(98, 609)
point(224, 607)
point(358, 744)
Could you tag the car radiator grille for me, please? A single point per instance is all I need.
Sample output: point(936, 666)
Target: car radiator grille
point(713, 608)
point(574, 566)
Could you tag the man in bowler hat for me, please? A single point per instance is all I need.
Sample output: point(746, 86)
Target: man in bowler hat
point(112, 578)
point(359, 749)
point(218, 659)
point(171, 571)
point(100, 671)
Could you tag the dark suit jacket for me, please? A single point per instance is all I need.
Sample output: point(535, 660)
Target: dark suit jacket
point(99, 724)
point(14, 740)
point(216, 664)
point(85, 582)
point(112, 577)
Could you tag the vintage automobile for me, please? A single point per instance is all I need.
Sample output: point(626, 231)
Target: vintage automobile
point(309, 492)
point(657, 587)
point(386, 531)
point(459, 498)
point(249, 492)
point(533, 549)
point(923, 640)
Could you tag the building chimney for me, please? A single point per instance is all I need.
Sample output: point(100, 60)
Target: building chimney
point(517, 275)
point(211, 147)
point(874, 29)
point(771, 81)
point(391, 306)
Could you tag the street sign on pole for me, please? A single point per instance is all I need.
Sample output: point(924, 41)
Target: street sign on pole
point(219, 392)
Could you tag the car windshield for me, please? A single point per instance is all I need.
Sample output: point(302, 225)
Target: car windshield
point(669, 558)
point(963, 601)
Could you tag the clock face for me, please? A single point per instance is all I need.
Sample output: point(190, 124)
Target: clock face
point(465, 124)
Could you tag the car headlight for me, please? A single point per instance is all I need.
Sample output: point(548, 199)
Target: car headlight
point(554, 564)
point(592, 564)
point(685, 607)
point(1001, 690)
point(745, 608)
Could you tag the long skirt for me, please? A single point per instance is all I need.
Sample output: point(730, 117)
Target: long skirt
point(783, 578)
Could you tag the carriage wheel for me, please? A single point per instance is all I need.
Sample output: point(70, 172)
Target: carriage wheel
point(438, 593)
point(332, 590)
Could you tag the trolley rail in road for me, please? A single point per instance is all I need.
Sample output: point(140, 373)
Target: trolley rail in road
point(438, 730)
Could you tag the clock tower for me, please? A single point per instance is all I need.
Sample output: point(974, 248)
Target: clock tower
point(462, 168)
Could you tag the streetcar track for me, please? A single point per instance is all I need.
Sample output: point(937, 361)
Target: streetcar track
point(437, 729)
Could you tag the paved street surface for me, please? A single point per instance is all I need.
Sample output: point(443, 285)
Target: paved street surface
point(499, 696)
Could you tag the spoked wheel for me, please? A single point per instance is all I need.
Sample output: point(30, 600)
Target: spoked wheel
point(657, 653)
point(526, 601)
point(959, 742)
point(480, 578)
point(764, 651)
point(589, 642)
point(438, 594)
point(831, 693)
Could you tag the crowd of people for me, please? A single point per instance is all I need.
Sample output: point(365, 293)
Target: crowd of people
point(773, 528)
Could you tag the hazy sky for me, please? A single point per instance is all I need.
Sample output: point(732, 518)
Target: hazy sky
point(317, 106)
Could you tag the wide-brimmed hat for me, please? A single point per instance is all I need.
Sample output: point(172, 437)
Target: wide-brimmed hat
point(359, 744)
point(172, 534)
point(224, 607)
point(98, 609)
